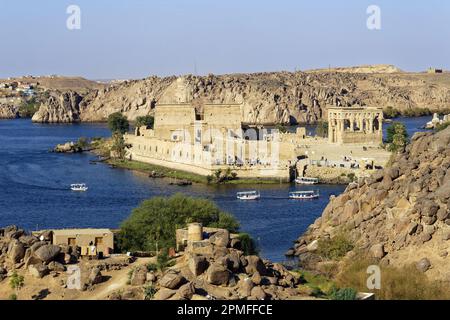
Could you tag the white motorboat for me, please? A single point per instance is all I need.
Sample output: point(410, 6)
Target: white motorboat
point(80, 187)
point(307, 180)
point(304, 195)
point(249, 195)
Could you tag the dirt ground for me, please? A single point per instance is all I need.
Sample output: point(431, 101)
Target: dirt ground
point(51, 286)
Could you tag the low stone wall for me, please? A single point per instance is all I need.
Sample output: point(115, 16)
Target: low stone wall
point(248, 173)
point(335, 175)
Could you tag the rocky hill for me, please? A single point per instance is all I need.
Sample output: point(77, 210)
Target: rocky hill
point(400, 215)
point(220, 271)
point(8, 111)
point(58, 83)
point(268, 98)
point(61, 107)
point(381, 68)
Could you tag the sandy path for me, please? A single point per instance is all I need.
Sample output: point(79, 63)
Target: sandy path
point(117, 281)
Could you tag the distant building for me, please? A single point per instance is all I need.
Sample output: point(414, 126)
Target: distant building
point(102, 239)
point(434, 70)
point(194, 238)
point(355, 125)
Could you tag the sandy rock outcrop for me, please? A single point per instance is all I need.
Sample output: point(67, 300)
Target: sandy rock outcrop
point(60, 108)
point(267, 98)
point(19, 250)
point(399, 215)
point(8, 111)
point(221, 272)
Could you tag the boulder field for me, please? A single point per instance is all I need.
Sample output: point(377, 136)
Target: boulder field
point(399, 215)
point(221, 271)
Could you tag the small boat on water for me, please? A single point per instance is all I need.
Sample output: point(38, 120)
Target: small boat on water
point(307, 180)
point(80, 187)
point(304, 195)
point(249, 195)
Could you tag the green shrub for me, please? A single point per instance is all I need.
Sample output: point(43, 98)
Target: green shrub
point(28, 108)
point(317, 292)
point(117, 122)
point(152, 225)
point(147, 121)
point(441, 127)
point(118, 146)
point(16, 281)
point(149, 292)
point(396, 137)
point(163, 261)
point(390, 113)
point(12, 296)
point(281, 128)
point(82, 143)
point(248, 245)
point(416, 112)
point(221, 176)
point(342, 294)
point(322, 129)
point(334, 248)
point(152, 267)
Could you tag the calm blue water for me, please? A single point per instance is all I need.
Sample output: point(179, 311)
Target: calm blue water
point(34, 189)
point(413, 125)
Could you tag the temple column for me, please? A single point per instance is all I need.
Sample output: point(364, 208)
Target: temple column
point(331, 129)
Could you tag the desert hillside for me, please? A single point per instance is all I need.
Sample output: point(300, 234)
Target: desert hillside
point(58, 82)
point(399, 216)
point(267, 98)
point(380, 68)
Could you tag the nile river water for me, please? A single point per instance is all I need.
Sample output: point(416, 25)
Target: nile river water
point(35, 193)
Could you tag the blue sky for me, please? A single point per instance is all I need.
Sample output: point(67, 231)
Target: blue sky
point(138, 38)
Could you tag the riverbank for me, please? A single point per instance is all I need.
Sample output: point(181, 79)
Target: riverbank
point(163, 172)
point(102, 147)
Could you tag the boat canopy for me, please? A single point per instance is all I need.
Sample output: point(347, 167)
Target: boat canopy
point(247, 193)
point(303, 192)
point(75, 185)
point(308, 179)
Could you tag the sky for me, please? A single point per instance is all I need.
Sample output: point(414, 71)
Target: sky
point(139, 38)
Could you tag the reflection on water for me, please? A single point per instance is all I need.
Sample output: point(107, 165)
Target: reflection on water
point(35, 189)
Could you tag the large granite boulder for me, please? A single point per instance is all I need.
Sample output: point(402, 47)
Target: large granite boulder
point(16, 251)
point(220, 238)
point(255, 264)
point(47, 253)
point(38, 270)
point(197, 264)
point(138, 277)
point(95, 276)
point(172, 280)
point(217, 274)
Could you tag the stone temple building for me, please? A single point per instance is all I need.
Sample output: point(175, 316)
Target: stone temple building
point(206, 137)
point(202, 140)
point(355, 125)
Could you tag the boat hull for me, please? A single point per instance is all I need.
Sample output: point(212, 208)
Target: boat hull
point(252, 198)
point(303, 198)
